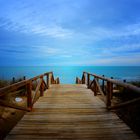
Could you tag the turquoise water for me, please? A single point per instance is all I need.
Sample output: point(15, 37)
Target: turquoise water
point(67, 74)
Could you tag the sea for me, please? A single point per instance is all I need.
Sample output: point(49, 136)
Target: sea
point(68, 74)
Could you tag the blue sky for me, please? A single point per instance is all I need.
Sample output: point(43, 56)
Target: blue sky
point(69, 32)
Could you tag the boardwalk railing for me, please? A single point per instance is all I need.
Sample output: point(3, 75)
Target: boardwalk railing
point(106, 90)
point(39, 83)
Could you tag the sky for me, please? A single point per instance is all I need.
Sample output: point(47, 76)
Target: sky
point(69, 32)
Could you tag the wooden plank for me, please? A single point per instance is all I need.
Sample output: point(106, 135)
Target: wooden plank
point(71, 112)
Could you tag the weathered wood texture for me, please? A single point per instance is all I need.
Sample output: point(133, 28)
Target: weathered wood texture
point(70, 112)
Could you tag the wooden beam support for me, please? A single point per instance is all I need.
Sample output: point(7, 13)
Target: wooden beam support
point(92, 82)
point(36, 91)
point(100, 89)
point(45, 85)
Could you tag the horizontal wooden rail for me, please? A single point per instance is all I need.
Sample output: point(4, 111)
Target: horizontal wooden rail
point(12, 87)
point(4, 103)
point(27, 84)
point(126, 103)
point(108, 93)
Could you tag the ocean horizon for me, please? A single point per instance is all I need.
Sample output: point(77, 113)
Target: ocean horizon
point(68, 74)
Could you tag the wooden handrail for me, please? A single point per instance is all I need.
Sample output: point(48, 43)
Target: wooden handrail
point(28, 85)
point(109, 88)
point(20, 84)
point(119, 83)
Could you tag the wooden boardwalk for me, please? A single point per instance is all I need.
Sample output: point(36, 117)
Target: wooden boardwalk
point(71, 112)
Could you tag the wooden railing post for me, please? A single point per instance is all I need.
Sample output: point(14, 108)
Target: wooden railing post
point(58, 82)
point(124, 89)
point(48, 80)
point(103, 84)
point(76, 80)
point(88, 80)
point(52, 79)
point(29, 95)
point(95, 88)
point(42, 87)
point(109, 93)
point(111, 88)
point(13, 80)
point(83, 78)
